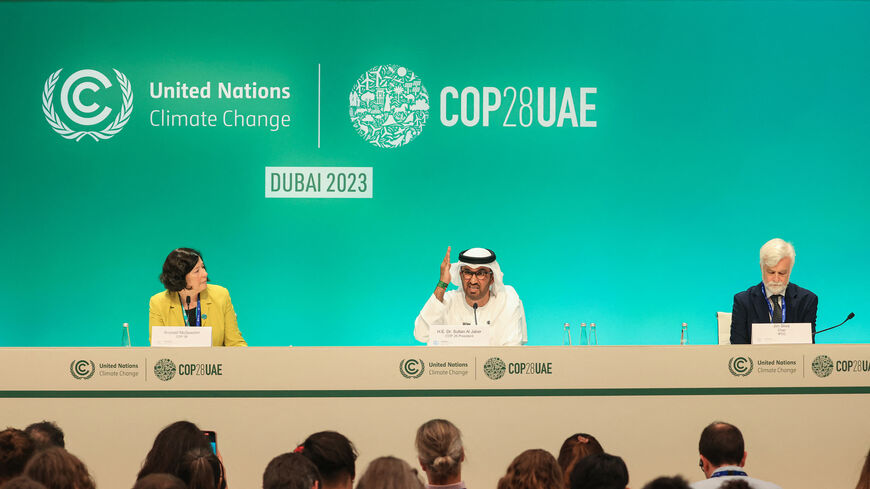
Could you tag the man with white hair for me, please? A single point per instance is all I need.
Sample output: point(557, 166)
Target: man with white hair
point(483, 299)
point(775, 299)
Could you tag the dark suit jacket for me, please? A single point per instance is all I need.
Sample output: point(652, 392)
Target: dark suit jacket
point(750, 306)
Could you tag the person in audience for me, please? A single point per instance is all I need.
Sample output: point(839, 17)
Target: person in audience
point(160, 481)
point(22, 482)
point(201, 469)
point(45, 434)
point(291, 471)
point(16, 448)
point(723, 457)
point(675, 482)
point(600, 471)
point(390, 473)
point(575, 448)
point(864, 480)
point(774, 299)
point(169, 447)
point(440, 453)
point(735, 484)
point(532, 469)
point(190, 301)
point(56, 468)
point(334, 456)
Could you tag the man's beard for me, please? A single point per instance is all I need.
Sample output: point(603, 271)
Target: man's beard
point(775, 288)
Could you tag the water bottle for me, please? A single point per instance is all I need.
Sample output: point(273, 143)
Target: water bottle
point(593, 334)
point(583, 338)
point(566, 335)
point(125, 335)
point(684, 334)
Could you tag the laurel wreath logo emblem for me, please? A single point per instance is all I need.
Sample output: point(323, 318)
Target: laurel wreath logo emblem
point(740, 366)
point(82, 369)
point(60, 126)
point(411, 368)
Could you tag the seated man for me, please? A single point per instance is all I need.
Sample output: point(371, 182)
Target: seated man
point(774, 300)
point(722, 458)
point(483, 299)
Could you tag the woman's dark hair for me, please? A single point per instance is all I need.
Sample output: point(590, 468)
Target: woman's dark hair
point(333, 454)
point(56, 468)
point(46, 434)
point(576, 447)
point(675, 482)
point(159, 481)
point(16, 448)
point(178, 264)
point(22, 482)
point(600, 471)
point(864, 480)
point(201, 469)
point(170, 446)
point(290, 471)
point(532, 469)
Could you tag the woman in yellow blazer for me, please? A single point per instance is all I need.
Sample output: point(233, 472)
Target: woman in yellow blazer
point(190, 301)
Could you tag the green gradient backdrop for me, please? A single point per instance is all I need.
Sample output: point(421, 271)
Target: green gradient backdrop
point(720, 125)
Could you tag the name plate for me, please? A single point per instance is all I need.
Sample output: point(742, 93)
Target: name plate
point(781, 333)
point(180, 336)
point(461, 335)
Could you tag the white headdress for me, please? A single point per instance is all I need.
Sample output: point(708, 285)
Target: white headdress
point(474, 258)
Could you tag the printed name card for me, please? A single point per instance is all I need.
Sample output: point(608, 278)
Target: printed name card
point(781, 333)
point(180, 336)
point(461, 335)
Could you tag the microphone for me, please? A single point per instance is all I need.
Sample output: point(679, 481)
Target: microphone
point(851, 315)
point(188, 302)
point(474, 306)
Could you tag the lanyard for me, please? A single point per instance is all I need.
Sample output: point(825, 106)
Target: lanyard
point(729, 472)
point(184, 312)
point(769, 308)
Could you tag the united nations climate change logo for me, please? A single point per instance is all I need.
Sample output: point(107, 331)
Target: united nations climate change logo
point(411, 368)
point(82, 369)
point(740, 366)
point(823, 366)
point(389, 106)
point(76, 90)
point(494, 368)
point(164, 369)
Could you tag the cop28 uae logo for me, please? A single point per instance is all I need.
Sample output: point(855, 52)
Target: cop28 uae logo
point(82, 369)
point(494, 368)
point(389, 106)
point(164, 369)
point(411, 368)
point(740, 366)
point(823, 366)
point(75, 88)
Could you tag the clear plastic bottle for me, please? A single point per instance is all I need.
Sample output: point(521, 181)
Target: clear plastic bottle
point(125, 335)
point(593, 334)
point(566, 335)
point(584, 340)
point(684, 334)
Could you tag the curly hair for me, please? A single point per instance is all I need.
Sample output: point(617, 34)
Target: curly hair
point(56, 468)
point(177, 265)
point(16, 448)
point(533, 469)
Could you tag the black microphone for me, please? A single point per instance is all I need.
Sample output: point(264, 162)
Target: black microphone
point(475, 313)
point(851, 315)
point(188, 302)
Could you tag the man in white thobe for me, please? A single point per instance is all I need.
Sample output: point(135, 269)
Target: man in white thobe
point(482, 299)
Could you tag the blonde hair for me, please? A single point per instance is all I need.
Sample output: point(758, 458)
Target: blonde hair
point(389, 473)
point(439, 446)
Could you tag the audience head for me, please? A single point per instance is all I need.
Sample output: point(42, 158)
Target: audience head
point(291, 471)
point(600, 471)
point(533, 469)
point(333, 455)
point(439, 449)
point(160, 481)
point(16, 449)
point(170, 446)
point(46, 434)
point(56, 468)
point(576, 447)
point(735, 484)
point(675, 482)
point(201, 469)
point(389, 473)
point(720, 444)
point(864, 480)
point(22, 482)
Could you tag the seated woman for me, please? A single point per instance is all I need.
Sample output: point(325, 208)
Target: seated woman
point(533, 469)
point(170, 446)
point(440, 452)
point(190, 301)
point(577, 447)
point(389, 473)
